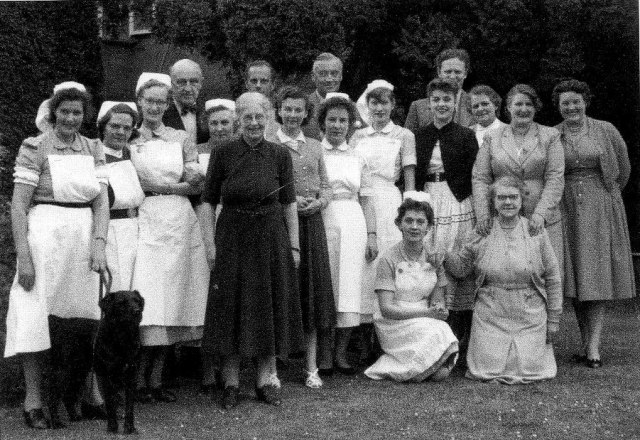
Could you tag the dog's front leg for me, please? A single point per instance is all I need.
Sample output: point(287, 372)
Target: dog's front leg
point(110, 401)
point(129, 399)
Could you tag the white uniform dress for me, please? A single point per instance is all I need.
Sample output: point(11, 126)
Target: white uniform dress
point(346, 230)
point(171, 271)
point(414, 348)
point(59, 238)
point(122, 239)
point(386, 153)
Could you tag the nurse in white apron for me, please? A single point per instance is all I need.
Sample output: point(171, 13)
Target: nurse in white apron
point(171, 271)
point(116, 121)
point(390, 153)
point(60, 218)
point(222, 123)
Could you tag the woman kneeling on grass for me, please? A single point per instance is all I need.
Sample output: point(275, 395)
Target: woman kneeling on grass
point(410, 283)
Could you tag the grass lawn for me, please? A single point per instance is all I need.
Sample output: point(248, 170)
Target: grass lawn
point(580, 403)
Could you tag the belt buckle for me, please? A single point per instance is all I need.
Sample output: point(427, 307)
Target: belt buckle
point(436, 177)
point(131, 212)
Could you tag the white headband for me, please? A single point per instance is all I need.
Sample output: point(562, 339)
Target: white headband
point(108, 105)
point(361, 104)
point(148, 76)
point(219, 102)
point(418, 196)
point(338, 95)
point(69, 85)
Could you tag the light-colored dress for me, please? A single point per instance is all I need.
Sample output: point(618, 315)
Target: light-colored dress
point(59, 238)
point(598, 263)
point(386, 153)
point(346, 230)
point(539, 163)
point(413, 348)
point(171, 270)
point(122, 238)
point(519, 292)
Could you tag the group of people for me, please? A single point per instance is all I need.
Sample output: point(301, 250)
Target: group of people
point(279, 223)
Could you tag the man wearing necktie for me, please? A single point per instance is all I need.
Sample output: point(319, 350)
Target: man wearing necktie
point(185, 110)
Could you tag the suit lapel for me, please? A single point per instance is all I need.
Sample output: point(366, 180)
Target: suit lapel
point(508, 144)
point(531, 142)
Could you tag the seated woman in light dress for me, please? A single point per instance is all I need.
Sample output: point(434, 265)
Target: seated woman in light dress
point(519, 299)
point(417, 342)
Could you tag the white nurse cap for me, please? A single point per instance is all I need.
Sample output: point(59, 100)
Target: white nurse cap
point(219, 102)
point(108, 105)
point(148, 76)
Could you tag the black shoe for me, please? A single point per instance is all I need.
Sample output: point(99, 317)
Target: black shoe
point(325, 372)
point(349, 371)
point(269, 394)
point(163, 395)
point(594, 363)
point(230, 397)
point(579, 358)
point(34, 418)
point(93, 412)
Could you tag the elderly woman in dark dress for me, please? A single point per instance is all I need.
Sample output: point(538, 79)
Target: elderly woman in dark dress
point(253, 308)
point(599, 266)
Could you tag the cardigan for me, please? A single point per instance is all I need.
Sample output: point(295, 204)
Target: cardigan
point(459, 147)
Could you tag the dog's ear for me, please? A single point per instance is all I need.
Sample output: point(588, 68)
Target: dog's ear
point(139, 299)
point(106, 302)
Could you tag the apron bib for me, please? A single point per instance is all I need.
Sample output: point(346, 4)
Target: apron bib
point(73, 178)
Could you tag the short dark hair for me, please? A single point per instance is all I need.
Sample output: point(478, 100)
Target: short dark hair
point(571, 85)
point(443, 84)
point(414, 205)
point(380, 93)
point(482, 89)
point(118, 109)
point(448, 54)
point(71, 94)
point(260, 63)
point(527, 90)
point(292, 92)
point(336, 102)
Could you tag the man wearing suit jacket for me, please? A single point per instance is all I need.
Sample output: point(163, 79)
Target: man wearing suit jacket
point(327, 76)
point(260, 76)
point(452, 64)
point(185, 111)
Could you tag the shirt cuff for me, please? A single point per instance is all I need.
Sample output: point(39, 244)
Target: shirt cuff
point(26, 176)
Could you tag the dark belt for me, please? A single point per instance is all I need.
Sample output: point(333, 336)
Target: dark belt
point(436, 177)
point(62, 204)
point(252, 211)
point(118, 214)
point(152, 194)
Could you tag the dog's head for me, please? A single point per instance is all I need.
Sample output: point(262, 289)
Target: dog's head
point(123, 306)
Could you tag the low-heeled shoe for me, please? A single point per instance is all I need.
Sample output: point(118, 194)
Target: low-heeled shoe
point(269, 394)
point(34, 418)
point(230, 397)
point(594, 363)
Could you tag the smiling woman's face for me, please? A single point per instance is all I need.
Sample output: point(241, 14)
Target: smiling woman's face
point(507, 201)
point(521, 109)
point(69, 116)
point(414, 226)
point(483, 109)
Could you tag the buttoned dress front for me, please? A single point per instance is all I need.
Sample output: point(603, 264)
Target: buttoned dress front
point(387, 152)
point(314, 273)
point(414, 348)
point(598, 251)
point(59, 238)
point(253, 308)
point(171, 271)
point(346, 229)
point(539, 164)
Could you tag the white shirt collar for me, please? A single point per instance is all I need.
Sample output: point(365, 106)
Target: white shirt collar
point(495, 124)
point(386, 129)
point(285, 139)
point(327, 146)
point(112, 152)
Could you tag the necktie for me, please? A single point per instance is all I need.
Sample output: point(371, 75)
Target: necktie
point(186, 109)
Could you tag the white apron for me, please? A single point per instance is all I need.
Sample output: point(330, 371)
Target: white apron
point(122, 239)
point(413, 348)
point(346, 236)
point(59, 239)
point(171, 271)
point(381, 155)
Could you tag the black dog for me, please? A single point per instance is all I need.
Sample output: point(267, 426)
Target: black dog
point(116, 353)
point(70, 362)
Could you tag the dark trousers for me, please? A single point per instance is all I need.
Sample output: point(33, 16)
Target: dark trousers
point(460, 323)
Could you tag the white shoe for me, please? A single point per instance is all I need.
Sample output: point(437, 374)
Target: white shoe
point(313, 379)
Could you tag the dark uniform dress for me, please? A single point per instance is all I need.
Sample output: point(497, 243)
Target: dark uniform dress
point(254, 306)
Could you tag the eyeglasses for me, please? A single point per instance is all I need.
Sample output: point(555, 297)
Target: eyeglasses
point(183, 82)
point(505, 197)
point(158, 102)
